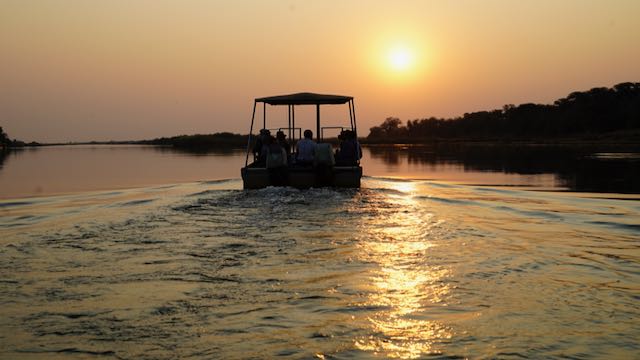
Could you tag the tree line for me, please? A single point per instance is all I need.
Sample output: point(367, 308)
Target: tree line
point(6, 142)
point(201, 141)
point(581, 114)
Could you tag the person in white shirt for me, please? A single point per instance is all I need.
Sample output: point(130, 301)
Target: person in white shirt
point(306, 151)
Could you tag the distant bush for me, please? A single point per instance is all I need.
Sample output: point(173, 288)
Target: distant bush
point(202, 141)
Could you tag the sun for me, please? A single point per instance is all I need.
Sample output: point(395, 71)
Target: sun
point(400, 58)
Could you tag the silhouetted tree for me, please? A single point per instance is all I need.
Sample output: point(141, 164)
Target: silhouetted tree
point(4, 138)
point(390, 127)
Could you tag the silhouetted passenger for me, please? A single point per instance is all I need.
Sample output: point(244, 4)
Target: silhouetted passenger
point(356, 144)
point(275, 153)
point(281, 138)
point(259, 155)
point(306, 152)
point(350, 150)
point(341, 145)
point(276, 162)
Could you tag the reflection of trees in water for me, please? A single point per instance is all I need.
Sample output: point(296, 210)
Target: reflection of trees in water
point(7, 153)
point(578, 167)
point(389, 155)
point(3, 156)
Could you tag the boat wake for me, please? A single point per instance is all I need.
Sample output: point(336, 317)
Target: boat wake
point(399, 268)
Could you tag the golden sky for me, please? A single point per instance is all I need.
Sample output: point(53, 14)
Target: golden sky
point(76, 70)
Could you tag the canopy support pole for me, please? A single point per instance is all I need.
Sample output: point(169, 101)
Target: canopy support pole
point(355, 130)
point(264, 115)
point(350, 116)
point(318, 122)
point(253, 116)
point(289, 121)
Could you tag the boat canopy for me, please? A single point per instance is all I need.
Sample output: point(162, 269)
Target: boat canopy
point(305, 98)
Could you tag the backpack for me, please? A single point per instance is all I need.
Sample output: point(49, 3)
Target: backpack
point(276, 157)
point(324, 154)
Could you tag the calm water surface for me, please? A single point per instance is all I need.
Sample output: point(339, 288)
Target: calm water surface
point(68, 169)
point(427, 266)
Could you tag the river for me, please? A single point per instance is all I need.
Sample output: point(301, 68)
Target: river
point(146, 253)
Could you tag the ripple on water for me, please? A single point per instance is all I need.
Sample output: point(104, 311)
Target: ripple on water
point(403, 269)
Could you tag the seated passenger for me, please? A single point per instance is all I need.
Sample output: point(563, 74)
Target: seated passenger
point(259, 147)
point(276, 162)
point(350, 151)
point(354, 139)
point(306, 149)
point(281, 138)
point(275, 154)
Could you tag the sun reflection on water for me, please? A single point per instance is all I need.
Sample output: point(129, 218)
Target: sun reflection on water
point(405, 286)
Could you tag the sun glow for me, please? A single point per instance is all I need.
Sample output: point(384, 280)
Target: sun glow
point(400, 59)
point(400, 55)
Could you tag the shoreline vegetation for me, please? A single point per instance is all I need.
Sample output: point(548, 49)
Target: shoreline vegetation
point(600, 116)
point(6, 142)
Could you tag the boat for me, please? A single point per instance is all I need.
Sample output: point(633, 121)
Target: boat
point(256, 175)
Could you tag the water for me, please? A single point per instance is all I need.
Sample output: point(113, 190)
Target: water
point(402, 268)
point(69, 169)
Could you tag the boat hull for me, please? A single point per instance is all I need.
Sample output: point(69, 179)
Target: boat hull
point(302, 178)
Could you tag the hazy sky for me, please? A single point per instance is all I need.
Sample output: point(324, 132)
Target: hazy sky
point(75, 70)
